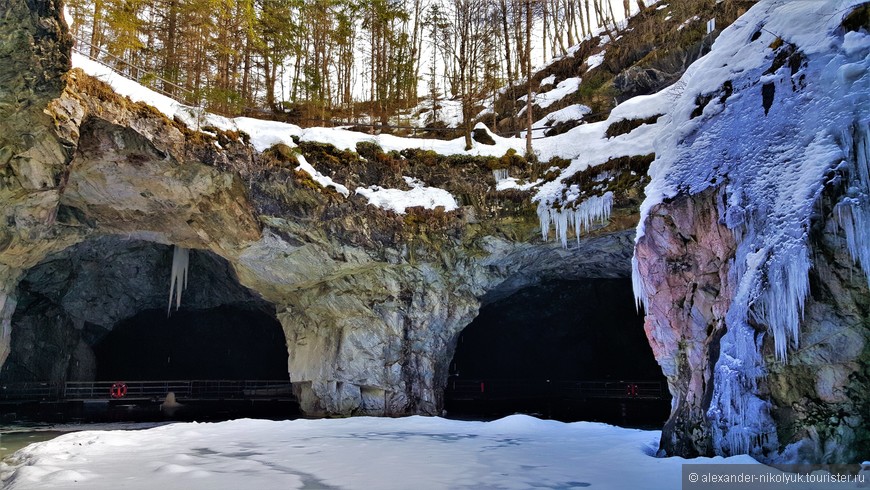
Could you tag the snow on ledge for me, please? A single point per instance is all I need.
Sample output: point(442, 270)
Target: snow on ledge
point(595, 60)
point(513, 183)
point(398, 201)
point(318, 177)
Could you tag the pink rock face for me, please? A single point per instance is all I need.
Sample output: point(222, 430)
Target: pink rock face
point(818, 397)
point(683, 260)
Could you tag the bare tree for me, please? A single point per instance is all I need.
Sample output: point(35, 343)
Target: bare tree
point(473, 31)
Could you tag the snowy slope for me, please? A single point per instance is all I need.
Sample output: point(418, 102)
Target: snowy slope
point(773, 161)
point(516, 452)
point(585, 146)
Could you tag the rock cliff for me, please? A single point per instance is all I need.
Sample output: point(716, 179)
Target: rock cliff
point(370, 301)
point(751, 255)
point(751, 258)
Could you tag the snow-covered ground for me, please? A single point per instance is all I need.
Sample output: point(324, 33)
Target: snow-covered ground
point(557, 93)
point(449, 112)
point(366, 453)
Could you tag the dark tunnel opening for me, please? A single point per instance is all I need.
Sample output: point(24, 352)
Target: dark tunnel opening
point(570, 350)
point(91, 340)
point(216, 343)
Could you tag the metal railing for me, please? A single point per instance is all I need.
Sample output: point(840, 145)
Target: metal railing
point(144, 72)
point(503, 389)
point(183, 389)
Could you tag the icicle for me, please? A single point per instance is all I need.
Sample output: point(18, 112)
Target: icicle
point(580, 218)
point(500, 174)
point(640, 297)
point(853, 211)
point(544, 219)
point(781, 306)
point(178, 278)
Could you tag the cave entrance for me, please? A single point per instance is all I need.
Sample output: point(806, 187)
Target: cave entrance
point(570, 350)
point(223, 343)
point(94, 316)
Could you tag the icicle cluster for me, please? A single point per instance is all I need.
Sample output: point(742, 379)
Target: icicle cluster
point(739, 418)
point(853, 211)
point(178, 278)
point(581, 217)
point(781, 305)
point(500, 174)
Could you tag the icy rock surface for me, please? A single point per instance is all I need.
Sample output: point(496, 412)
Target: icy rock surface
point(780, 104)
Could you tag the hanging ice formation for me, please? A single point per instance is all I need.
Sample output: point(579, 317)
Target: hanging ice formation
point(853, 211)
point(781, 304)
point(500, 174)
point(770, 186)
point(580, 217)
point(178, 279)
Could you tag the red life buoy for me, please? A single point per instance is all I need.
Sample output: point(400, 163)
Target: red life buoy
point(119, 390)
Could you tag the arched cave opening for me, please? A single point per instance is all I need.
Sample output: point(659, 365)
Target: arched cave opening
point(571, 350)
point(194, 345)
point(97, 313)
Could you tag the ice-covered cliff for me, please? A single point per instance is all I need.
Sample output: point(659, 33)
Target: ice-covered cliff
point(753, 250)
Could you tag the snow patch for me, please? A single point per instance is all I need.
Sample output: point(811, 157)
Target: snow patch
point(571, 113)
point(512, 183)
point(318, 177)
point(546, 99)
point(448, 112)
point(398, 201)
point(595, 60)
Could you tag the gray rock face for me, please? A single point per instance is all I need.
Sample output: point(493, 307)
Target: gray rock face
point(34, 47)
point(371, 303)
point(821, 396)
point(379, 339)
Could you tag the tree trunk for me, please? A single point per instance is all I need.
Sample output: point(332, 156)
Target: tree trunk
point(96, 29)
point(170, 70)
point(507, 56)
point(529, 120)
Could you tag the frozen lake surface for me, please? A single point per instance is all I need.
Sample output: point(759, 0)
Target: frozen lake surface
point(414, 452)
